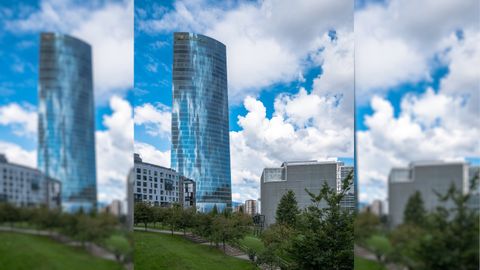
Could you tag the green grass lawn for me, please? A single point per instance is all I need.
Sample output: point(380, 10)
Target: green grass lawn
point(364, 264)
point(164, 251)
point(252, 242)
point(21, 251)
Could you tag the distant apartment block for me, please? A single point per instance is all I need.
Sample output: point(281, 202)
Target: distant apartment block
point(161, 186)
point(251, 207)
point(298, 176)
point(377, 208)
point(24, 186)
point(428, 178)
point(114, 208)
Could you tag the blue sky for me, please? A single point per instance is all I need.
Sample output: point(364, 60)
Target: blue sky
point(21, 25)
point(416, 82)
point(271, 80)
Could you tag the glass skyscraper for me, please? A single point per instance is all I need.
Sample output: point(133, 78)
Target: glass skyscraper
point(66, 139)
point(200, 137)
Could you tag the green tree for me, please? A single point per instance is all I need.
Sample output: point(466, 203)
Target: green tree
point(142, 213)
point(380, 246)
point(186, 220)
point(451, 240)
point(174, 217)
point(120, 246)
point(159, 215)
point(277, 240)
point(324, 237)
point(214, 210)
point(9, 213)
point(405, 244)
point(415, 210)
point(366, 224)
point(287, 210)
point(203, 225)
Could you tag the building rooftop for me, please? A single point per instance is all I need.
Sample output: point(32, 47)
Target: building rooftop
point(138, 159)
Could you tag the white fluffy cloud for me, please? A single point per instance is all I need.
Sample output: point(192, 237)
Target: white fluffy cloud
point(150, 154)
point(17, 154)
point(22, 119)
point(271, 42)
point(114, 147)
point(397, 41)
point(155, 118)
point(303, 127)
point(267, 41)
point(108, 27)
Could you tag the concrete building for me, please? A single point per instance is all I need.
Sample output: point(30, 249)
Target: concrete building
point(154, 184)
point(251, 207)
point(376, 208)
point(114, 208)
point(428, 178)
point(24, 186)
point(66, 119)
point(296, 176)
point(161, 186)
point(200, 134)
point(238, 207)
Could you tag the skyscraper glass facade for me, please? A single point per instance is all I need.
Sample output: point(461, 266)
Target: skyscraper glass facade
point(66, 142)
point(200, 137)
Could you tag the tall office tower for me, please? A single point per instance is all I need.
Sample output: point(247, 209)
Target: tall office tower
point(200, 138)
point(66, 142)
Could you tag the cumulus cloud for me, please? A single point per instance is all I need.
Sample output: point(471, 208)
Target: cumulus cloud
point(270, 42)
point(107, 26)
point(304, 126)
point(428, 128)
point(397, 41)
point(150, 154)
point(114, 147)
point(19, 155)
point(438, 124)
point(155, 118)
point(256, 34)
point(22, 119)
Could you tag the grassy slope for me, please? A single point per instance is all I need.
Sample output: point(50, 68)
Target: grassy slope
point(252, 242)
point(20, 251)
point(164, 251)
point(364, 264)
